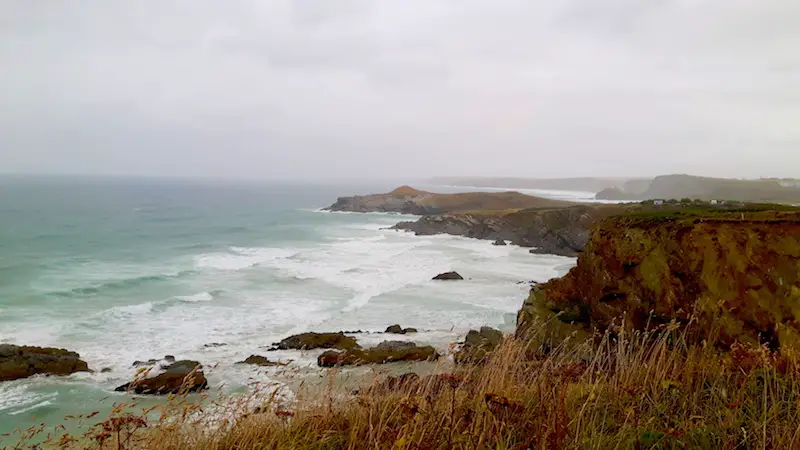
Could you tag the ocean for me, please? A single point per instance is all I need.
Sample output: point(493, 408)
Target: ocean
point(120, 270)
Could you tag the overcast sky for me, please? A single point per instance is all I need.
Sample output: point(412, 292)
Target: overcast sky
point(353, 88)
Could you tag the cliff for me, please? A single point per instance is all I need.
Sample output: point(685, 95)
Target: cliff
point(407, 200)
point(559, 231)
point(706, 188)
point(726, 275)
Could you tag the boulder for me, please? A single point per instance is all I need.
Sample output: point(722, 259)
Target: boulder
point(257, 360)
point(478, 344)
point(397, 329)
point(385, 352)
point(499, 242)
point(177, 378)
point(22, 361)
point(310, 341)
point(106, 370)
point(448, 276)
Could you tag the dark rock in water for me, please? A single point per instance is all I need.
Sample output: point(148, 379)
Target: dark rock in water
point(257, 360)
point(310, 341)
point(21, 362)
point(106, 370)
point(215, 344)
point(397, 329)
point(393, 346)
point(178, 378)
point(448, 276)
point(499, 242)
point(385, 352)
point(167, 360)
point(478, 344)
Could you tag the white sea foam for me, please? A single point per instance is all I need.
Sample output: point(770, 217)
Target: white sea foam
point(31, 408)
point(199, 297)
point(17, 397)
point(241, 258)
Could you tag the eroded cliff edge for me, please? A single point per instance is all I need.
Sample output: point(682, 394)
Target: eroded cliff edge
point(727, 276)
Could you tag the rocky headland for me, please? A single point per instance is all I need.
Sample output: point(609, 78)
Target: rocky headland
point(407, 200)
point(557, 231)
point(727, 276)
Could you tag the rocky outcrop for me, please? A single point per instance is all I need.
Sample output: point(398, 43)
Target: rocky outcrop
point(397, 329)
point(478, 344)
point(448, 276)
point(257, 360)
point(22, 361)
point(615, 194)
point(726, 276)
point(177, 378)
point(385, 352)
point(562, 231)
point(310, 341)
point(407, 200)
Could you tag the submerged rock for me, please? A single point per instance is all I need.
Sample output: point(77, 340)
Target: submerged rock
point(310, 341)
point(177, 378)
point(397, 329)
point(500, 242)
point(22, 361)
point(478, 344)
point(385, 352)
point(448, 276)
point(257, 360)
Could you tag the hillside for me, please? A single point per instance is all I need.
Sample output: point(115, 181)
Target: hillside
point(706, 188)
point(585, 184)
point(407, 200)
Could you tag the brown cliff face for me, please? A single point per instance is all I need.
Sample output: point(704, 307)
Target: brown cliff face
point(728, 276)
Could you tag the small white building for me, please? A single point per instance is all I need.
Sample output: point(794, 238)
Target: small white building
point(714, 202)
point(658, 202)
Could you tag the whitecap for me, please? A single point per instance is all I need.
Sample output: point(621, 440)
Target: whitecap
point(241, 258)
point(196, 298)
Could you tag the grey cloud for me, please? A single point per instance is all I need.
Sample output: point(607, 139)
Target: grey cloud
point(315, 88)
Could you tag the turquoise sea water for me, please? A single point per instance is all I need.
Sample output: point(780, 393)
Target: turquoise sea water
point(130, 269)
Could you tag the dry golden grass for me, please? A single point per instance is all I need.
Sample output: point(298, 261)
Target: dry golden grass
point(641, 391)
